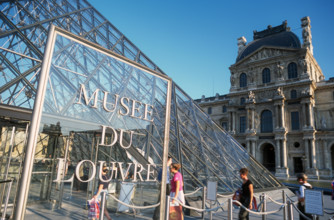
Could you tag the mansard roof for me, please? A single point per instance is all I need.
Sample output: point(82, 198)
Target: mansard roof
point(279, 36)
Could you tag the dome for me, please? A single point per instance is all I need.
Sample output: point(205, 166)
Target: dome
point(283, 39)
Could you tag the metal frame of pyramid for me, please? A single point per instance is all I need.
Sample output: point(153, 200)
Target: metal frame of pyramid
point(203, 148)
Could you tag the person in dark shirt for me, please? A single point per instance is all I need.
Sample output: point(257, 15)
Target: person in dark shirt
point(103, 187)
point(246, 194)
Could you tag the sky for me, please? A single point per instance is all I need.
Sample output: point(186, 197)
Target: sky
point(195, 41)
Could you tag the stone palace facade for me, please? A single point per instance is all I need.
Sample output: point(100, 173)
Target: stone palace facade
point(280, 107)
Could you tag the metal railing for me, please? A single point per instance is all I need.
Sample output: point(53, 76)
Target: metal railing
point(287, 206)
point(3, 217)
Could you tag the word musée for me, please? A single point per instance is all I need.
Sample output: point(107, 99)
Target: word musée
point(128, 107)
point(115, 167)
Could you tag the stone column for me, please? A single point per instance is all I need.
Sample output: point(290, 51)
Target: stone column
point(310, 110)
point(248, 146)
point(304, 114)
point(278, 154)
point(282, 169)
point(313, 154)
point(307, 154)
point(277, 116)
point(248, 122)
point(230, 121)
point(284, 155)
point(253, 148)
point(319, 151)
point(233, 122)
point(307, 114)
point(327, 155)
point(282, 116)
point(253, 119)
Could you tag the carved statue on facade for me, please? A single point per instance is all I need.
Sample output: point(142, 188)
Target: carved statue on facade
point(303, 65)
point(251, 96)
point(279, 92)
point(264, 54)
point(251, 76)
point(307, 37)
point(306, 33)
point(232, 79)
point(279, 70)
point(306, 92)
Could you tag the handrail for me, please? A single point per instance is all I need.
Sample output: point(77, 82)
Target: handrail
point(278, 203)
point(225, 196)
point(196, 209)
point(282, 205)
point(259, 213)
point(188, 194)
point(133, 206)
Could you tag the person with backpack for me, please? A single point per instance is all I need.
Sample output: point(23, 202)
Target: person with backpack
point(302, 180)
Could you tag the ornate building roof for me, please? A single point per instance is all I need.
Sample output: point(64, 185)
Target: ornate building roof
point(279, 36)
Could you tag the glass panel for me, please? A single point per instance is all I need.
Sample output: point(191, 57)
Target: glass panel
point(12, 141)
point(99, 110)
point(208, 151)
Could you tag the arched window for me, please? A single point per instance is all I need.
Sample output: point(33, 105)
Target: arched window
point(243, 80)
point(209, 110)
point(292, 71)
point(293, 94)
point(266, 121)
point(242, 101)
point(266, 75)
point(224, 108)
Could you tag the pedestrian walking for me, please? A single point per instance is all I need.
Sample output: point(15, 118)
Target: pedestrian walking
point(103, 187)
point(302, 180)
point(246, 196)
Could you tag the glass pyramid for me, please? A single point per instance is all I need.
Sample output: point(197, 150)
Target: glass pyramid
point(203, 148)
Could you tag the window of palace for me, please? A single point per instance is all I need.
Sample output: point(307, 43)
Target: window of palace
point(242, 124)
point(294, 121)
point(266, 75)
point(243, 80)
point(224, 125)
point(242, 101)
point(296, 144)
point(292, 70)
point(224, 109)
point(293, 94)
point(266, 122)
point(210, 110)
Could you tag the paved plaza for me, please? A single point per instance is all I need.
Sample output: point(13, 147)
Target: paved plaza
point(71, 210)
